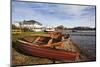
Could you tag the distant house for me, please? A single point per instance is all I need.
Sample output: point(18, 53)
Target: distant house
point(31, 25)
point(49, 28)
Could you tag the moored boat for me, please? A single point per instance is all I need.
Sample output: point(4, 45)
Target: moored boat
point(37, 50)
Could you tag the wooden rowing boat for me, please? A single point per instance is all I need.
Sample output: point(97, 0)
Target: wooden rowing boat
point(44, 52)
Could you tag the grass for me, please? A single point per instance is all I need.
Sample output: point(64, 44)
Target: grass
point(21, 59)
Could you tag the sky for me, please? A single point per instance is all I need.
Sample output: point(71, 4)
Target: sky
point(50, 14)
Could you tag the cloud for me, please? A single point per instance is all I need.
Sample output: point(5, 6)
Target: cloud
point(54, 14)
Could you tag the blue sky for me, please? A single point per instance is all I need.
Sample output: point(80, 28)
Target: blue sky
point(54, 14)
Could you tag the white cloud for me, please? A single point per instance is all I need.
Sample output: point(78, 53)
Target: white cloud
point(54, 14)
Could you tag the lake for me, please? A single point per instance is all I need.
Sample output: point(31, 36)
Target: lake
point(86, 41)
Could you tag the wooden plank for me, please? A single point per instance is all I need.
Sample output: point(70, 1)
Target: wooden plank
point(41, 35)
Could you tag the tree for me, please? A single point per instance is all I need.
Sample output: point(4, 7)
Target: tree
point(61, 27)
point(13, 26)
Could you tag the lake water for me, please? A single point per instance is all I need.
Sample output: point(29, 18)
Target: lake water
point(86, 41)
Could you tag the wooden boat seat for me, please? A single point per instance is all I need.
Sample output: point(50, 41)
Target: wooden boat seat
point(28, 39)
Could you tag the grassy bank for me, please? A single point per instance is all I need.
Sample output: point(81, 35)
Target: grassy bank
point(21, 59)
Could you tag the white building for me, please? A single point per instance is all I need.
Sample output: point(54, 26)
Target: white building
point(31, 25)
point(50, 28)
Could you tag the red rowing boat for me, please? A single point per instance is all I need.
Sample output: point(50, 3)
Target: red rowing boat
point(44, 52)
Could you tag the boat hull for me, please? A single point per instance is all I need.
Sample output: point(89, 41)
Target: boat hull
point(50, 53)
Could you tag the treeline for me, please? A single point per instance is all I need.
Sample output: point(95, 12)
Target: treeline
point(80, 28)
